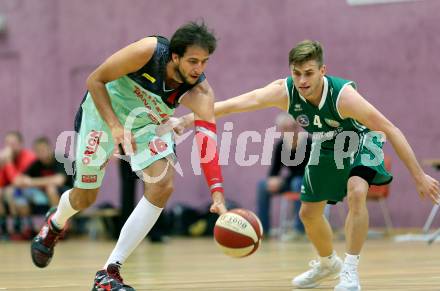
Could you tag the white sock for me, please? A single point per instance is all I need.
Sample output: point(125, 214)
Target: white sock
point(328, 261)
point(351, 259)
point(138, 224)
point(64, 211)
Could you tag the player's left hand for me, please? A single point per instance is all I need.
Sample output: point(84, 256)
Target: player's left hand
point(125, 138)
point(218, 204)
point(429, 187)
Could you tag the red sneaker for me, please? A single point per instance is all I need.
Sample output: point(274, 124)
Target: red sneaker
point(43, 244)
point(110, 280)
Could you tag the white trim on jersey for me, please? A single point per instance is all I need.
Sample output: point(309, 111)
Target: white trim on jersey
point(308, 179)
point(288, 94)
point(300, 96)
point(324, 93)
point(358, 125)
point(165, 89)
point(181, 96)
point(339, 95)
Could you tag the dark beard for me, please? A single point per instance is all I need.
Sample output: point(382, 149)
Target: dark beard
point(182, 77)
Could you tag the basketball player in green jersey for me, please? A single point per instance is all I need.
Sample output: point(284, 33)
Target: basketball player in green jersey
point(331, 109)
point(129, 95)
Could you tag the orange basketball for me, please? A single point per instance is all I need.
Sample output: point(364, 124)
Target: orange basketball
point(238, 232)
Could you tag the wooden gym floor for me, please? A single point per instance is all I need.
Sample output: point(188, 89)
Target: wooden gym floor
point(196, 264)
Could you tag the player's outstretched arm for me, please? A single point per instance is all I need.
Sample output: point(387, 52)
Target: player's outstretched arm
point(352, 105)
point(272, 95)
point(125, 61)
point(200, 100)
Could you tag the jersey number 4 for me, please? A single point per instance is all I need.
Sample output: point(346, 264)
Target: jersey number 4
point(317, 121)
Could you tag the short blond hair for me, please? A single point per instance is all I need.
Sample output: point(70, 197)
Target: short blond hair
point(305, 51)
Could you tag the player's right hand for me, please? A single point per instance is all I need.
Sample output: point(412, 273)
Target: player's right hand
point(429, 187)
point(125, 138)
point(218, 203)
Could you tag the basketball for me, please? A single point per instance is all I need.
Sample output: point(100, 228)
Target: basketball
point(238, 232)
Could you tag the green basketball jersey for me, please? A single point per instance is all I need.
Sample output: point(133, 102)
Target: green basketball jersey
point(325, 118)
point(329, 167)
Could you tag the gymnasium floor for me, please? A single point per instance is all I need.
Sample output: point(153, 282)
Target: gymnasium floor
point(196, 264)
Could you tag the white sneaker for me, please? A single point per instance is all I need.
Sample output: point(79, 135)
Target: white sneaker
point(313, 277)
point(349, 279)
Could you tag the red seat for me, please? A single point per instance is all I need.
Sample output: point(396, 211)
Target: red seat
point(287, 199)
point(380, 193)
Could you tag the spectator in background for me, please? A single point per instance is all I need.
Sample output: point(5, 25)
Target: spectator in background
point(14, 160)
point(276, 183)
point(40, 186)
